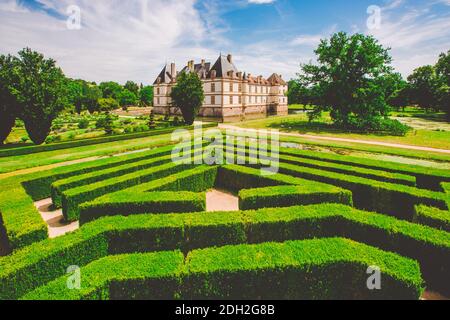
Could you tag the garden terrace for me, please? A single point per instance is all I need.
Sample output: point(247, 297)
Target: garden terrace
point(145, 207)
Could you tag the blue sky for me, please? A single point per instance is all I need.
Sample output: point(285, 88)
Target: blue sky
point(131, 40)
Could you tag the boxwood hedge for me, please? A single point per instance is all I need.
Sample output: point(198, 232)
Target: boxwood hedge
point(150, 197)
point(72, 198)
point(432, 217)
point(388, 198)
point(332, 268)
point(295, 195)
point(39, 263)
point(86, 142)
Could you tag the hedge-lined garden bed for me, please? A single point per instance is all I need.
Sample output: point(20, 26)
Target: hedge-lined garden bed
point(91, 141)
point(332, 268)
point(42, 262)
point(149, 197)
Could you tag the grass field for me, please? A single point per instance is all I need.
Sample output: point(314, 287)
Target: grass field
point(298, 123)
point(13, 163)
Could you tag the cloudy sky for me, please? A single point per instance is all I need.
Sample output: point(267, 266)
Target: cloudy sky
point(132, 39)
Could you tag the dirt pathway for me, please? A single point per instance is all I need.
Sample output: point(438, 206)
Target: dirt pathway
point(54, 219)
point(219, 200)
point(375, 143)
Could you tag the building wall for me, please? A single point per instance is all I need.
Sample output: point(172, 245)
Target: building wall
point(231, 99)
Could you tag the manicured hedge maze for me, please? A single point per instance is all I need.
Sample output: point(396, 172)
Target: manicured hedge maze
point(307, 232)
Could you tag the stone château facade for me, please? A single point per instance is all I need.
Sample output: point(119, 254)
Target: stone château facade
point(230, 95)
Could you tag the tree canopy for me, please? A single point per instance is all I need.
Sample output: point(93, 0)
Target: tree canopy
point(41, 92)
point(9, 106)
point(188, 96)
point(352, 80)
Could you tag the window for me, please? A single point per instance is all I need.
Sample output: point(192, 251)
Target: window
point(213, 87)
point(157, 91)
point(157, 100)
point(231, 87)
point(213, 99)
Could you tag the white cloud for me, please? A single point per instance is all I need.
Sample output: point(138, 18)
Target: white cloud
point(416, 35)
point(118, 41)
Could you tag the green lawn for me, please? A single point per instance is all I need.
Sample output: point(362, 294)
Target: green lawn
point(298, 123)
point(13, 163)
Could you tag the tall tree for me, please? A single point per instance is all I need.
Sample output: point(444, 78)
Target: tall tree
point(443, 73)
point(110, 89)
point(127, 98)
point(146, 95)
point(42, 92)
point(132, 87)
point(9, 107)
point(188, 96)
point(424, 85)
point(349, 80)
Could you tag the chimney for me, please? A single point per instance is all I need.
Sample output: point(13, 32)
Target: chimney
point(173, 71)
point(230, 58)
point(203, 62)
point(191, 65)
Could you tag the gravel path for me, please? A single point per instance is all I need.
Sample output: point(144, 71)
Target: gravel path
point(375, 143)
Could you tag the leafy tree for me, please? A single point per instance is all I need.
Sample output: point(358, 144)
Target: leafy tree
point(188, 96)
point(350, 80)
point(424, 85)
point(42, 93)
point(111, 89)
point(9, 107)
point(75, 92)
point(132, 87)
point(90, 98)
point(107, 104)
point(106, 123)
point(298, 93)
point(127, 98)
point(443, 74)
point(146, 95)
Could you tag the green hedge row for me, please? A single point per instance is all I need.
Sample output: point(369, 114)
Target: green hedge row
point(287, 196)
point(150, 197)
point(58, 187)
point(388, 198)
point(277, 190)
point(432, 217)
point(375, 174)
point(39, 263)
point(22, 223)
point(72, 198)
point(332, 268)
point(427, 178)
point(128, 203)
point(86, 142)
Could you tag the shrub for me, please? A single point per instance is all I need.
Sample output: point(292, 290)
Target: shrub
point(83, 124)
point(167, 232)
point(72, 198)
point(432, 217)
point(265, 271)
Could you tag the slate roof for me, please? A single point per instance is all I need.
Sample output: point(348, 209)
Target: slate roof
point(222, 66)
point(164, 75)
